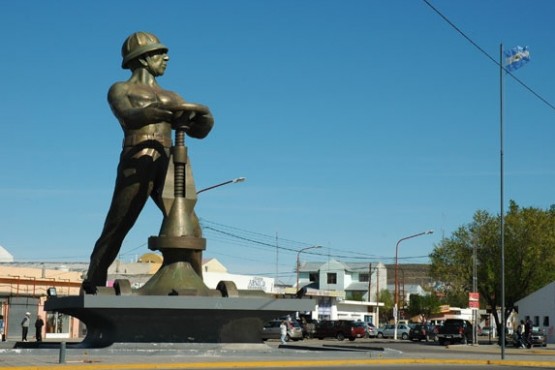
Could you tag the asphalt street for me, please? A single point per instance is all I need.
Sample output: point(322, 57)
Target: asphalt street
point(366, 353)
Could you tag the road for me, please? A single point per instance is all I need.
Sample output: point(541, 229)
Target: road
point(389, 367)
point(307, 354)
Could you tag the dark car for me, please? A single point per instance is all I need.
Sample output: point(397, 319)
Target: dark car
point(455, 331)
point(340, 329)
point(420, 332)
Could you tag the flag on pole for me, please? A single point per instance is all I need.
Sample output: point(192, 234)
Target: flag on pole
point(516, 58)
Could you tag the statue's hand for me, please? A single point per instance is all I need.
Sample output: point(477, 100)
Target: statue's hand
point(201, 126)
point(195, 119)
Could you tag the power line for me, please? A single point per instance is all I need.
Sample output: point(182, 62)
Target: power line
point(488, 55)
point(266, 242)
point(255, 240)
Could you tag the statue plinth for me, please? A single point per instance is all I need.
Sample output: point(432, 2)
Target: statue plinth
point(173, 319)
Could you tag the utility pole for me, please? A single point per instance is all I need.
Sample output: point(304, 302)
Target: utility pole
point(474, 289)
point(377, 297)
point(369, 282)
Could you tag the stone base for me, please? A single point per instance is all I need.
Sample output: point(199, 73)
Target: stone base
point(173, 319)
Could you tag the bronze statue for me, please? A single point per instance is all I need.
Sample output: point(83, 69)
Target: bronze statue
point(147, 113)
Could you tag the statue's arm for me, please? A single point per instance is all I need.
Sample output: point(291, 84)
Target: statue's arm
point(135, 115)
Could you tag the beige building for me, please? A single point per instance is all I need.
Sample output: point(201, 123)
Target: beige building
point(24, 287)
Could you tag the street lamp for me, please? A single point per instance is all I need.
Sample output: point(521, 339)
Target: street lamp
point(299, 261)
point(238, 179)
point(396, 307)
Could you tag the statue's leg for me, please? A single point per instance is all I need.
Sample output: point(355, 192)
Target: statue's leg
point(132, 189)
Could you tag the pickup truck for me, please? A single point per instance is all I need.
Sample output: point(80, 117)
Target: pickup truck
point(455, 331)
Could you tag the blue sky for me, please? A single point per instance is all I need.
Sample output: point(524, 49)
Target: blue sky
point(356, 123)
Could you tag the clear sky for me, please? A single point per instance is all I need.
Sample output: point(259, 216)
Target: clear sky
point(356, 123)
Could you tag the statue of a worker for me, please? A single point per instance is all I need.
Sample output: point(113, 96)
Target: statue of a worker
point(146, 113)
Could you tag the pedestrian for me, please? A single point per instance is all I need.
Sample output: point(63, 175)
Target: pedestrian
point(528, 333)
point(520, 334)
point(2, 328)
point(39, 323)
point(25, 326)
point(147, 113)
point(283, 332)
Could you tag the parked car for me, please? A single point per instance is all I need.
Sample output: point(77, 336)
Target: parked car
point(388, 331)
point(420, 332)
point(537, 339)
point(455, 331)
point(486, 331)
point(309, 328)
point(271, 330)
point(340, 329)
point(371, 330)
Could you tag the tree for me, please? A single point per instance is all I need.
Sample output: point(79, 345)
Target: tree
point(386, 312)
point(529, 262)
point(426, 305)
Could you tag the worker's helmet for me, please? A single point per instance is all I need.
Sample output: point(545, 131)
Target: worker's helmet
point(138, 44)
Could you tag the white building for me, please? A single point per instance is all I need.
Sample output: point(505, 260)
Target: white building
point(5, 256)
point(138, 273)
point(539, 307)
point(214, 272)
point(406, 290)
point(344, 290)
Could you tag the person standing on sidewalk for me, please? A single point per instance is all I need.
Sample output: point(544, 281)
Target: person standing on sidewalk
point(528, 333)
point(2, 336)
point(39, 323)
point(283, 332)
point(25, 326)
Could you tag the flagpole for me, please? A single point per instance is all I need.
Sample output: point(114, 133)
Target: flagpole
point(502, 221)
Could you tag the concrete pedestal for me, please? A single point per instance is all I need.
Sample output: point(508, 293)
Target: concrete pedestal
point(173, 319)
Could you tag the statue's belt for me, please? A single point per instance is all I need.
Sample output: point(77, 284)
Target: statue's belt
point(132, 140)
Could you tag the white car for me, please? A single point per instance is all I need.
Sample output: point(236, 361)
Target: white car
point(388, 331)
point(371, 331)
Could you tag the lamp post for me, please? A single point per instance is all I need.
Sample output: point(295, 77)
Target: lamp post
point(396, 307)
point(236, 180)
point(299, 261)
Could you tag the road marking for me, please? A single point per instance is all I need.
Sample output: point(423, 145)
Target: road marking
point(284, 364)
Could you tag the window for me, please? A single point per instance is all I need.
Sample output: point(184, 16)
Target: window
point(546, 321)
point(57, 323)
point(364, 277)
point(332, 278)
point(536, 321)
point(313, 276)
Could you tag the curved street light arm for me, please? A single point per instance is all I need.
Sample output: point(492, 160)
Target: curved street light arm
point(236, 180)
point(299, 261)
point(396, 307)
